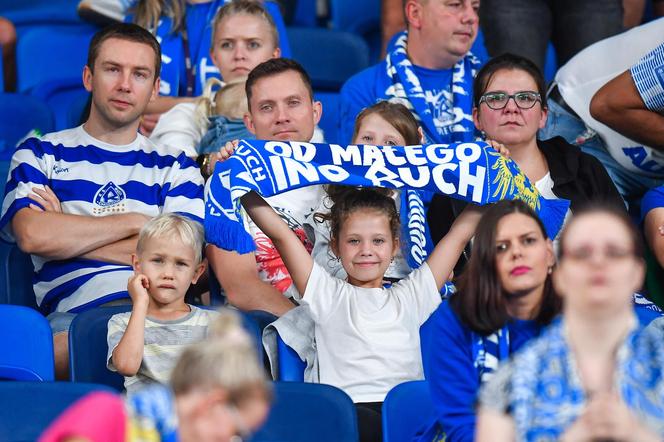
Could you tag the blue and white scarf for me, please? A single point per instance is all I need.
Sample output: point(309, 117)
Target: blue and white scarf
point(472, 172)
point(489, 351)
point(407, 90)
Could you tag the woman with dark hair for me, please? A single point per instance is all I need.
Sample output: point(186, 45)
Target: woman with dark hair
point(597, 374)
point(509, 99)
point(505, 298)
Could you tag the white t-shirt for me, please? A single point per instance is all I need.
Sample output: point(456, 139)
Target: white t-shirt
point(583, 75)
point(179, 128)
point(368, 340)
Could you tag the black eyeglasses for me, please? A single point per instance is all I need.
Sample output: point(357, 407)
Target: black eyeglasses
point(498, 100)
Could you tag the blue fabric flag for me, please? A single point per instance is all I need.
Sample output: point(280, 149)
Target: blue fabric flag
point(472, 172)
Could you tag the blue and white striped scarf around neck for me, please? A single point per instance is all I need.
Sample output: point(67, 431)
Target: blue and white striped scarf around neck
point(407, 90)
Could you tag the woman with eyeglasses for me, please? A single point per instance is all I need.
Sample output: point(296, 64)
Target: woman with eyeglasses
point(596, 374)
point(509, 99)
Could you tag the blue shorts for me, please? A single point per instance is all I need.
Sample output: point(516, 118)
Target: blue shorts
point(60, 321)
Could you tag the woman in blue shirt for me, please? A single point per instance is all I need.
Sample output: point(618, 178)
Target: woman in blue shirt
point(596, 374)
point(505, 298)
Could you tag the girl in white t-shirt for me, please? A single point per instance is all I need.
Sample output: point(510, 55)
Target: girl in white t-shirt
point(367, 336)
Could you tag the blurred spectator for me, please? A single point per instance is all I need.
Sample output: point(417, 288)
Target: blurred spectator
point(524, 27)
point(597, 373)
point(217, 392)
point(505, 298)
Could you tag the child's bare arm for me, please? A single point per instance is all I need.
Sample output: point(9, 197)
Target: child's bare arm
point(298, 261)
point(128, 354)
point(444, 256)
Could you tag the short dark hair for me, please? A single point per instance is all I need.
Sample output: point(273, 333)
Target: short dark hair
point(124, 31)
point(507, 62)
point(481, 301)
point(273, 67)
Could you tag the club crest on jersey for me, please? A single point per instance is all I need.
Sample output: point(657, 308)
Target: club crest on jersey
point(109, 199)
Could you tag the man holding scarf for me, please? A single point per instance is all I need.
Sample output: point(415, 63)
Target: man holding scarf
point(428, 68)
point(281, 108)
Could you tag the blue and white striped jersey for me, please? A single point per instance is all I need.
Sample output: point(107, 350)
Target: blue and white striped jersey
point(93, 178)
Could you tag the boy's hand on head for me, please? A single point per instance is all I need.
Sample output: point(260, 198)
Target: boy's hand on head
point(499, 147)
point(138, 286)
point(47, 198)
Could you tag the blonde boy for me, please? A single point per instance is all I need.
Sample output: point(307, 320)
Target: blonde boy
point(144, 344)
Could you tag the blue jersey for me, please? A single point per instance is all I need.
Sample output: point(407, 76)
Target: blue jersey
point(93, 178)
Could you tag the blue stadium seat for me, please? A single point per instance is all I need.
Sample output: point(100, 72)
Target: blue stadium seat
point(16, 273)
point(66, 97)
point(26, 347)
point(305, 13)
point(20, 115)
point(355, 16)
point(361, 18)
point(2, 73)
point(309, 412)
point(329, 57)
point(28, 408)
point(88, 347)
point(407, 408)
point(330, 122)
point(47, 53)
point(291, 367)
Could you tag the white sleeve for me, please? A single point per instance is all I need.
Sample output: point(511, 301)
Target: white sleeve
point(178, 128)
point(420, 292)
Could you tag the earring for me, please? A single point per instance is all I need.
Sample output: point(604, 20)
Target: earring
point(549, 270)
point(392, 259)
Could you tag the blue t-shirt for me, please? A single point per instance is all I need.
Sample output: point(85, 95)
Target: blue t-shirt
point(437, 86)
point(653, 199)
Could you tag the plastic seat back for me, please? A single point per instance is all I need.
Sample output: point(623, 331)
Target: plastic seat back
point(28, 408)
point(16, 273)
point(329, 57)
point(26, 347)
point(48, 53)
point(20, 115)
point(407, 408)
point(309, 412)
point(88, 347)
point(291, 367)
